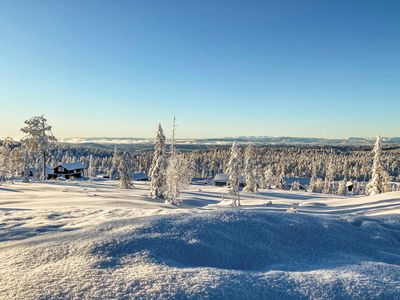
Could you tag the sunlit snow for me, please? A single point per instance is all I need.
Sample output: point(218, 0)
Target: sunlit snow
point(92, 240)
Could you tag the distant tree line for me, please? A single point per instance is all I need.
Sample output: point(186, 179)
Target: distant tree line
point(261, 166)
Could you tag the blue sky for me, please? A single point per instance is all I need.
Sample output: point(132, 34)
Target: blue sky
point(224, 68)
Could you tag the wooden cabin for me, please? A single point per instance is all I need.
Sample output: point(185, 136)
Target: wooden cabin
point(68, 170)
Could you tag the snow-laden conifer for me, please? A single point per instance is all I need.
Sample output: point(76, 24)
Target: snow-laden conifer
point(157, 170)
point(115, 162)
point(342, 187)
point(268, 178)
point(234, 172)
point(124, 170)
point(329, 177)
point(249, 170)
point(91, 167)
point(379, 174)
point(178, 174)
point(16, 162)
point(5, 159)
point(313, 182)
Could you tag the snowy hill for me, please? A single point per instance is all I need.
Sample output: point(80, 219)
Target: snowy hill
point(68, 240)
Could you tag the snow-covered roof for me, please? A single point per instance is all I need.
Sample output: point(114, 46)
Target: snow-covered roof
point(349, 183)
point(72, 166)
point(221, 177)
point(139, 176)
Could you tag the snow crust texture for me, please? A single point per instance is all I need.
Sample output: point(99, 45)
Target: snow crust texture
point(121, 250)
point(221, 254)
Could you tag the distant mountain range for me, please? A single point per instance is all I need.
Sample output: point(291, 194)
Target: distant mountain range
point(258, 140)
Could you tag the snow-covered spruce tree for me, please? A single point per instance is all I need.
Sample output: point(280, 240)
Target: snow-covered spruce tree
point(115, 162)
point(234, 171)
point(280, 179)
point(364, 169)
point(313, 182)
point(329, 177)
point(5, 161)
point(359, 188)
point(249, 170)
point(268, 178)
point(342, 187)
point(379, 178)
point(38, 141)
point(346, 170)
point(157, 170)
point(124, 170)
point(16, 160)
point(91, 167)
point(172, 180)
point(177, 173)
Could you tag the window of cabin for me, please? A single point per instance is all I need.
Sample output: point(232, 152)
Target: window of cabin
point(60, 169)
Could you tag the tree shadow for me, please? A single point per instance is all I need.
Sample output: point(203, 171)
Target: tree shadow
point(198, 202)
point(207, 194)
point(290, 196)
point(20, 232)
point(9, 190)
point(6, 209)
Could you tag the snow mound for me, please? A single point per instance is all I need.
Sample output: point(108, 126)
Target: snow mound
point(240, 240)
point(221, 254)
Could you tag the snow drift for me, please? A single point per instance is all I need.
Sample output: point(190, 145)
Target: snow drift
point(240, 240)
point(227, 253)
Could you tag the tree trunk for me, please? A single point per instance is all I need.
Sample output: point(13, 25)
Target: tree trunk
point(44, 165)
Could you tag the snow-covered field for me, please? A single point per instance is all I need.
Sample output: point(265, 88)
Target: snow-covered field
point(95, 241)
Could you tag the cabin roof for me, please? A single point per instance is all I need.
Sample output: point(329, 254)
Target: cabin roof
point(72, 166)
point(222, 177)
point(139, 175)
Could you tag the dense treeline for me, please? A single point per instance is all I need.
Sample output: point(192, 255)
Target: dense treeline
point(330, 168)
point(351, 163)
